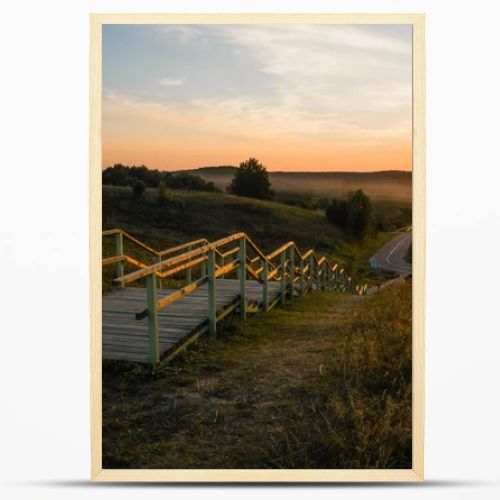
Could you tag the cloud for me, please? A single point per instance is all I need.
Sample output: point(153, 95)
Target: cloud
point(338, 91)
point(172, 82)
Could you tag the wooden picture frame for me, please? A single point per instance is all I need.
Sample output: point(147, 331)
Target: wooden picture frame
point(234, 475)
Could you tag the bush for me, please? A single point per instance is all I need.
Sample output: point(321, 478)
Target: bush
point(190, 182)
point(138, 188)
point(353, 215)
point(162, 192)
point(251, 180)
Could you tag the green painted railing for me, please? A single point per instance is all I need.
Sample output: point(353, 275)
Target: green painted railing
point(298, 273)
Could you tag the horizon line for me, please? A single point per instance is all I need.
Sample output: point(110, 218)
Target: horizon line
point(187, 169)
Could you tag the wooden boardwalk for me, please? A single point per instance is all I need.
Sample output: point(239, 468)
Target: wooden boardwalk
point(126, 338)
point(153, 324)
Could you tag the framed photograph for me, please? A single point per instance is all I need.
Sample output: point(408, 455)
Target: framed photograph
point(257, 247)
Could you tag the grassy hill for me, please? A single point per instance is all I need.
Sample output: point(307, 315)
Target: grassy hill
point(190, 215)
point(186, 216)
point(390, 184)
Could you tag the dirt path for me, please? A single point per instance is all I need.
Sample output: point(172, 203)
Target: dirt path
point(217, 407)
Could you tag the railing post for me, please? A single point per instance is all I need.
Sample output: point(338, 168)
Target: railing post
point(325, 275)
point(311, 270)
point(158, 279)
point(265, 296)
point(188, 270)
point(283, 276)
point(301, 276)
point(212, 308)
point(318, 277)
point(242, 267)
point(292, 271)
point(153, 323)
point(223, 263)
point(119, 251)
point(203, 268)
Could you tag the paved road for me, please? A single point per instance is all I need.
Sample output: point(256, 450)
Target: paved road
point(391, 255)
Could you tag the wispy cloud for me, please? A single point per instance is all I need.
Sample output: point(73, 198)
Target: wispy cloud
point(334, 95)
point(172, 82)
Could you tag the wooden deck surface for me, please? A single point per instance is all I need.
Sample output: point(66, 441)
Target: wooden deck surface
point(126, 338)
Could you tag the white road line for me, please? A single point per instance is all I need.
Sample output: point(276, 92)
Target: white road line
point(394, 249)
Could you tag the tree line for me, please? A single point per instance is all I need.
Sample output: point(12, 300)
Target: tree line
point(140, 178)
point(352, 214)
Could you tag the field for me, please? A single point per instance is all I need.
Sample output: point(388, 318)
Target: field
point(323, 383)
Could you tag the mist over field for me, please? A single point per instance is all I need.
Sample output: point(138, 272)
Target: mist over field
point(390, 184)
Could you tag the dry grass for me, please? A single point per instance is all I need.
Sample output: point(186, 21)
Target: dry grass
point(322, 383)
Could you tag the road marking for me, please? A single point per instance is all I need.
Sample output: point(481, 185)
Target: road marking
point(394, 249)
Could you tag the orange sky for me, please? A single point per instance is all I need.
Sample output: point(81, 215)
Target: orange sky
point(303, 98)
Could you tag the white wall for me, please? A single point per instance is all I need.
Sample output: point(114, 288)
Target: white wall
point(44, 364)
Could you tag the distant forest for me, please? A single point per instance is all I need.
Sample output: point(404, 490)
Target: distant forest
point(122, 175)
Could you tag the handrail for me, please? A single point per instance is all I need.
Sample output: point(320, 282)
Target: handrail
point(296, 272)
point(158, 253)
point(193, 258)
point(177, 259)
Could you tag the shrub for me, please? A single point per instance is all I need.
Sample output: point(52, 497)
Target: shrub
point(190, 182)
point(354, 214)
point(138, 188)
point(162, 192)
point(251, 180)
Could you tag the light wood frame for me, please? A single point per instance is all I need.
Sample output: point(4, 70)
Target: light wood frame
point(95, 214)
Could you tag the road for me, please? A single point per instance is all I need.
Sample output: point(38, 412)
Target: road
point(391, 255)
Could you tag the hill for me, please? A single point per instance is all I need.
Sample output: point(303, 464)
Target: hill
point(189, 215)
point(389, 184)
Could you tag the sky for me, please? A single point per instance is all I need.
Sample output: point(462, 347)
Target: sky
point(296, 97)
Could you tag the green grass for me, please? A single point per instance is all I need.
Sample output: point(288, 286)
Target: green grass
point(186, 216)
point(191, 215)
point(356, 255)
point(322, 383)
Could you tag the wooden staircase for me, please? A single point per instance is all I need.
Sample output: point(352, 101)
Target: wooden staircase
point(145, 322)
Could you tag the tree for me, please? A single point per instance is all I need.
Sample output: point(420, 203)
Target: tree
point(138, 188)
point(354, 214)
point(359, 213)
point(336, 213)
point(252, 180)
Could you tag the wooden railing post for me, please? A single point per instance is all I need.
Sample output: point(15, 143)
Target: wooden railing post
point(325, 275)
point(223, 262)
point(242, 266)
point(212, 307)
point(283, 276)
point(119, 251)
point(311, 270)
point(265, 295)
point(318, 278)
point(188, 270)
point(301, 277)
point(158, 279)
point(292, 271)
point(153, 323)
point(203, 268)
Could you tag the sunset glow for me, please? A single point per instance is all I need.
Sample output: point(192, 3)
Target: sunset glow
point(297, 97)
